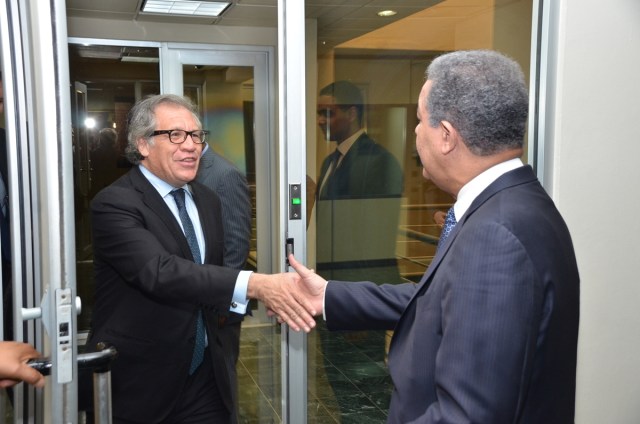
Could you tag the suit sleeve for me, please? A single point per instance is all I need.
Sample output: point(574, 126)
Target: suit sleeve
point(491, 307)
point(365, 305)
point(141, 247)
point(233, 191)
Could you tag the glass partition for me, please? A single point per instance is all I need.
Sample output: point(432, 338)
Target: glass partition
point(106, 81)
point(375, 217)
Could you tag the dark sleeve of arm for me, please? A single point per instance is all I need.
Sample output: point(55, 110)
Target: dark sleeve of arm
point(365, 305)
point(141, 250)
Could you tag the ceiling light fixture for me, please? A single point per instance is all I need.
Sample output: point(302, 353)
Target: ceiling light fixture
point(185, 7)
point(387, 13)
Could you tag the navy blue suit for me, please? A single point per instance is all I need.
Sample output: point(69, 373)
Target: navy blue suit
point(231, 186)
point(490, 333)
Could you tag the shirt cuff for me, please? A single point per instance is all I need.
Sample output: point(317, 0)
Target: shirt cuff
point(324, 296)
point(239, 301)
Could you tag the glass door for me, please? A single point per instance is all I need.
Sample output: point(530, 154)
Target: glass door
point(233, 88)
point(375, 217)
point(107, 78)
point(39, 280)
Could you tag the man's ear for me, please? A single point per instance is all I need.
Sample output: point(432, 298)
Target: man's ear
point(143, 147)
point(449, 137)
point(353, 114)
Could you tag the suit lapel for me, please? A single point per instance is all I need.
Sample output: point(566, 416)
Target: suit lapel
point(359, 149)
point(341, 180)
point(156, 204)
point(518, 176)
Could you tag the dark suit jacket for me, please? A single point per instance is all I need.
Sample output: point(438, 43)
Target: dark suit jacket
point(368, 170)
point(231, 186)
point(148, 292)
point(3, 155)
point(490, 333)
point(369, 177)
point(5, 242)
point(4, 222)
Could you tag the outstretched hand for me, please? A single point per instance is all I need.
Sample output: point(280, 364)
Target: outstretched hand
point(282, 295)
point(312, 285)
point(13, 364)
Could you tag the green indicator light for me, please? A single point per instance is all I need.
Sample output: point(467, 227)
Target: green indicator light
point(296, 201)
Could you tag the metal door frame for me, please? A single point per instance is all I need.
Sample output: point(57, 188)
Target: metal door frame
point(35, 65)
point(174, 55)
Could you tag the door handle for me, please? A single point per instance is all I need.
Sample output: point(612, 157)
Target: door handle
point(98, 361)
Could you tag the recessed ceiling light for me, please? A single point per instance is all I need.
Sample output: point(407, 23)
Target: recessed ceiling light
point(387, 13)
point(185, 7)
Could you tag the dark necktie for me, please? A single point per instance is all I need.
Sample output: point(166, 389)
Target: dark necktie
point(190, 233)
point(335, 158)
point(449, 223)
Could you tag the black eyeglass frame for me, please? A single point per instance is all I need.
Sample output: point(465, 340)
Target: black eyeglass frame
point(203, 134)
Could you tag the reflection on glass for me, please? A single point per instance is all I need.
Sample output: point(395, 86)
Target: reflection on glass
point(225, 97)
point(357, 224)
point(359, 176)
point(107, 81)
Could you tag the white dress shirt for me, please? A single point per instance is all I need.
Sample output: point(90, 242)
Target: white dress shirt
point(239, 301)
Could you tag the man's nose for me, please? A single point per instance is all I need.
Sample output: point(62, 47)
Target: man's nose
point(189, 144)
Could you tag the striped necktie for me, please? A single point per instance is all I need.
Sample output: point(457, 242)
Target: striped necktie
point(190, 233)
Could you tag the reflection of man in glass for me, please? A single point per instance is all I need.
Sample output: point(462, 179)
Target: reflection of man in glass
point(359, 190)
point(357, 210)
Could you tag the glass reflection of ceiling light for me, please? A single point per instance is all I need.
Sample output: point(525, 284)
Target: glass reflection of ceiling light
point(185, 7)
point(90, 123)
point(387, 13)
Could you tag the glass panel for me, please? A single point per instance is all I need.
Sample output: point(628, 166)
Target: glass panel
point(107, 80)
point(376, 218)
point(225, 97)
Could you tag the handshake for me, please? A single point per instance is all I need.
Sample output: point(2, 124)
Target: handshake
point(294, 298)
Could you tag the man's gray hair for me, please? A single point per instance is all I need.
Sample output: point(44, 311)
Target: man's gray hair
point(142, 120)
point(483, 94)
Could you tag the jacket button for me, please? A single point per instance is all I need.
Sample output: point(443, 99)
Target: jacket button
point(234, 305)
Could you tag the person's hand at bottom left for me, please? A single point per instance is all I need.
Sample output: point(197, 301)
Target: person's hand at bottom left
point(13, 364)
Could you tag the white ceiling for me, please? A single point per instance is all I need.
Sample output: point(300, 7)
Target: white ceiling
point(339, 21)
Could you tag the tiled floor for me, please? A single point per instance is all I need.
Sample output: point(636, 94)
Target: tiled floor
point(347, 375)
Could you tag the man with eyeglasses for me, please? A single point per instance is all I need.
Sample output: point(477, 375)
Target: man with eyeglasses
point(162, 297)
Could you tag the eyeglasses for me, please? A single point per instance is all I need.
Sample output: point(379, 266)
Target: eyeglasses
point(180, 136)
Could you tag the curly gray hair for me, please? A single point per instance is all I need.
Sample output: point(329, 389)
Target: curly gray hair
point(483, 94)
point(142, 120)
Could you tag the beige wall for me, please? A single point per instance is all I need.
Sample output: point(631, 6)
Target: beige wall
point(595, 143)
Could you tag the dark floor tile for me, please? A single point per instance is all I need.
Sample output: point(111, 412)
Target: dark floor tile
point(317, 413)
point(348, 381)
point(364, 417)
point(257, 409)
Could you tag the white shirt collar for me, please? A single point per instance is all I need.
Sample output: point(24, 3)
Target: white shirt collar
point(473, 188)
point(161, 186)
point(346, 145)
